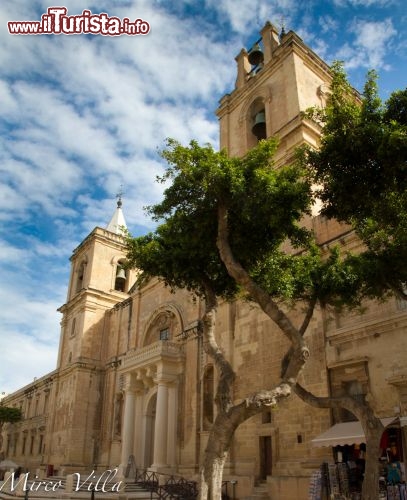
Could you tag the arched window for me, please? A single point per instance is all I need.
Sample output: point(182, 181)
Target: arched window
point(208, 396)
point(80, 276)
point(73, 328)
point(120, 283)
point(256, 122)
point(259, 125)
point(161, 328)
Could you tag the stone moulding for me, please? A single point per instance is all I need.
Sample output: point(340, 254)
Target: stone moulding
point(151, 353)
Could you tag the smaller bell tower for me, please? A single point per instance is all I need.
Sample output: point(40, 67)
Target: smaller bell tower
point(99, 280)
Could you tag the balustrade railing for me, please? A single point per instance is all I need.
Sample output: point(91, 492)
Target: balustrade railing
point(165, 486)
point(228, 490)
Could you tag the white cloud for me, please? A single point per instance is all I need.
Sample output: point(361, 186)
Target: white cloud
point(371, 45)
point(87, 102)
point(9, 253)
point(328, 24)
point(363, 3)
point(80, 117)
point(22, 358)
point(249, 14)
point(83, 115)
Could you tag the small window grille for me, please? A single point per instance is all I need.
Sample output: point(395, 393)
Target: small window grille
point(165, 334)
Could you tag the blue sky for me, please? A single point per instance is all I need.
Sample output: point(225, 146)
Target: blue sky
point(82, 115)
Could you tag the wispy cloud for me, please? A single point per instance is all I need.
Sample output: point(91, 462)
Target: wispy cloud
point(82, 115)
point(372, 42)
point(363, 3)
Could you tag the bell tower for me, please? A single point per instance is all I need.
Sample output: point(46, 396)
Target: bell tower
point(277, 79)
point(98, 280)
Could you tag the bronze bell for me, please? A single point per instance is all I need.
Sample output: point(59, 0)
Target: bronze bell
point(259, 127)
point(256, 55)
point(121, 274)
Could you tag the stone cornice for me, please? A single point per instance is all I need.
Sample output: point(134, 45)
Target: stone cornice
point(104, 300)
point(107, 237)
point(348, 362)
point(40, 384)
point(372, 328)
point(400, 379)
point(82, 363)
point(152, 354)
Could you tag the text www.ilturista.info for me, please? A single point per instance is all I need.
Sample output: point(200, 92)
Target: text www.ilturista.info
point(57, 22)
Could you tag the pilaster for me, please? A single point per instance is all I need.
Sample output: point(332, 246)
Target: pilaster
point(128, 422)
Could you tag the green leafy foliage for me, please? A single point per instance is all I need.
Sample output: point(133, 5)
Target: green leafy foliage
point(265, 206)
point(361, 171)
point(9, 414)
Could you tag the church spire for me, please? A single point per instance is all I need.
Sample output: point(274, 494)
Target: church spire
point(117, 223)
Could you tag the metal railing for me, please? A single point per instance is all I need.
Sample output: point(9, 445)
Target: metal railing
point(165, 486)
point(228, 493)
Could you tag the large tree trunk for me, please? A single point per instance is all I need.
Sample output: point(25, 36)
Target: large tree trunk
point(373, 430)
point(210, 480)
point(222, 432)
point(231, 416)
point(211, 473)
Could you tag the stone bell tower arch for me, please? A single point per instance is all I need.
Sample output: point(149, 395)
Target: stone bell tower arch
point(277, 79)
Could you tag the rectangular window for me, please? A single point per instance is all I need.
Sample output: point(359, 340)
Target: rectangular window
point(40, 444)
point(164, 334)
point(46, 402)
point(15, 444)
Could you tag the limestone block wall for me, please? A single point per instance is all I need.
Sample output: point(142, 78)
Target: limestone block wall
point(27, 442)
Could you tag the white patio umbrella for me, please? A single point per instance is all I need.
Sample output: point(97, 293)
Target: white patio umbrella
point(8, 464)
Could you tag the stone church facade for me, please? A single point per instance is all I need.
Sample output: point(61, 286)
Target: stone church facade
point(132, 377)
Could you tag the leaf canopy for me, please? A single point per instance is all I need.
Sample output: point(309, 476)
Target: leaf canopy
point(361, 171)
point(9, 414)
point(265, 206)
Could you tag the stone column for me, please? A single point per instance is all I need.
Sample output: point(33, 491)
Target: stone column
point(172, 425)
point(138, 430)
point(161, 423)
point(128, 427)
point(243, 68)
point(271, 40)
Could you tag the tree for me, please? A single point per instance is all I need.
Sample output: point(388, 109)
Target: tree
point(8, 414)
point(361, 168)
point(361, 171)
point(223, 226)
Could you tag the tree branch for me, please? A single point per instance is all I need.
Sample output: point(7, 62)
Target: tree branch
point(223, 398)
point(240, 275)
point(308, 315)
point(399, 292)
point(360, 410)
